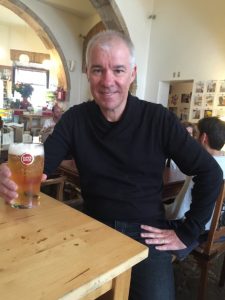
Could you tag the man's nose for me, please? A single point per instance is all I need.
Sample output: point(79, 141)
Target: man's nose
point(108, 77)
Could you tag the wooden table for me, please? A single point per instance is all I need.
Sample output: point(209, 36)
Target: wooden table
point(29, 119)
point(56, 252)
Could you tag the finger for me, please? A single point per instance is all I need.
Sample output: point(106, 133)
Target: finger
point(44, 177)
point(170, 246)
point(153, 235)
point(152, 229)
point(8, 195)
point(8, 184)
point(156, 241)
point(5, 171)
point(8, 189)
point(164, 248)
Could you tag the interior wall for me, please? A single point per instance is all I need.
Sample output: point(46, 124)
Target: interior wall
point(136, 16)
point(187, 39)
point(19, 38)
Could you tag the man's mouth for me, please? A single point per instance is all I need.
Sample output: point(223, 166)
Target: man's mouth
point(107, 93)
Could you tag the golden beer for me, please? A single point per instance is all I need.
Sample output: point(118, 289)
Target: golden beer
point(26, 162)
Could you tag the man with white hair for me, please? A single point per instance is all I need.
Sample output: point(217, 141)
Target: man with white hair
point(120, 144)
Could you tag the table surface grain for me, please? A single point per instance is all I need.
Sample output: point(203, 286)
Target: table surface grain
point(50, 251)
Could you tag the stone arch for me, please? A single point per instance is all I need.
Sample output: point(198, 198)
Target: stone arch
point(94, 30)
point(45, 35)
point(107, 10)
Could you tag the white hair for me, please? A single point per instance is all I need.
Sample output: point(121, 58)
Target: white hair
point(104, 40)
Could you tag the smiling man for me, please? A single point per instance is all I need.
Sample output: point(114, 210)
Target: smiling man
point(110, 71)
point(120, 144)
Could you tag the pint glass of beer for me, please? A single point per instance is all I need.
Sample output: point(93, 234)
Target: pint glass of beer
point(26, 162)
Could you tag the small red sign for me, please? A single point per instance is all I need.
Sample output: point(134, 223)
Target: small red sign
point(27, 159)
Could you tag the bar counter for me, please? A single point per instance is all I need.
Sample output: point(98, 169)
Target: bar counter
point(56, 252)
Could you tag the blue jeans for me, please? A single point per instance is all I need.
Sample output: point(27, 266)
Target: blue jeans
point(153, 278)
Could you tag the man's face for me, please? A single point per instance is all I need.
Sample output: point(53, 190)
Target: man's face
point(110, 75)
point(57, 112)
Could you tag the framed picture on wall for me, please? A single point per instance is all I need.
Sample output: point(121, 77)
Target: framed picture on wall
point(174, 100)
point(211, 86)
point(184, 114)
point(5, 72)
point(196, 113)
point(220, 112)
point(221, 100)
point(199, 87)
point(207, 113)
point(185, 98)
point(198, 100)
point(209, 100)
point(222, 86)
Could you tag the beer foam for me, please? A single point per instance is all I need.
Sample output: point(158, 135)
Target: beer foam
point(20, 148)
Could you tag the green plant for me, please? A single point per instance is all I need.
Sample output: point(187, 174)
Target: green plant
point(25, 89)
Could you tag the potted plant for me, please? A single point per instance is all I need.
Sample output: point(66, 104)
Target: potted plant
point(25, 90)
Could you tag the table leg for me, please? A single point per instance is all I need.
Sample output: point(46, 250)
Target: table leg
point(120, 288)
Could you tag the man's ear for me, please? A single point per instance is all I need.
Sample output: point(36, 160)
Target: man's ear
point(133, 74)
point(203, 138)
point(86, 71)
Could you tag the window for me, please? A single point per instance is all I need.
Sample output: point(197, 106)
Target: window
point(38, 78)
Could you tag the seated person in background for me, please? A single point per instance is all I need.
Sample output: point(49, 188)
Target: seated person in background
point(49, 124)
point(24, 104)
point(212, 138)
point(191, 128)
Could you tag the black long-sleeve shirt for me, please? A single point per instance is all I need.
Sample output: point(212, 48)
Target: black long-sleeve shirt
point(121, 163)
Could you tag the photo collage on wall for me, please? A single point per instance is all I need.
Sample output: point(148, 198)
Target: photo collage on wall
point(179, 103)
point(208, 99)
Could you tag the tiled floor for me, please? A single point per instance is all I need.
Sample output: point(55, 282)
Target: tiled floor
point(187, 278)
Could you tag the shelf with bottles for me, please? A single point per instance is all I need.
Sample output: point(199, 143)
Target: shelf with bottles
point(5, 72)
point(6, 115)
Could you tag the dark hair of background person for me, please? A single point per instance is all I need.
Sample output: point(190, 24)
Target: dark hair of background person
point(215, 130)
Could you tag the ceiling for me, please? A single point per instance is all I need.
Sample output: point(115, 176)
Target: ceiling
point(80, 8)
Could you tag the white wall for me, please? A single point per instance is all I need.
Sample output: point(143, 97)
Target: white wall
point(19, 38)
point(135, 14)
point(188, 37)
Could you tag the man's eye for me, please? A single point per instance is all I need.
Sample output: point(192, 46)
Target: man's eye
point(119, 71)
point(96, 71)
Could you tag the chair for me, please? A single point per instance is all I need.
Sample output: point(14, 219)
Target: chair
point(58, 182)
point(212, 248)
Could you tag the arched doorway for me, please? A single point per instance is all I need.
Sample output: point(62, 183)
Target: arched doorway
point(108, 11)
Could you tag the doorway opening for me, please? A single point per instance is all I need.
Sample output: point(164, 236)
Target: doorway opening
point(176, 95)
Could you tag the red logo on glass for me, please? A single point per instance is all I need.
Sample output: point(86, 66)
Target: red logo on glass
point(27, 159)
